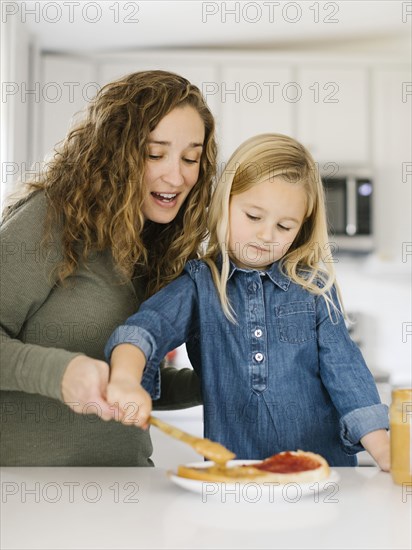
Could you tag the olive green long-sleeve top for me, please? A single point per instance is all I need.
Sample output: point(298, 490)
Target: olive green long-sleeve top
point(43, 326)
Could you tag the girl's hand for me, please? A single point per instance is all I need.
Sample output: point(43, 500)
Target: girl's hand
point(377, 445)
point(382, 456)
point(384, 461)
point(84, 386)
point(132, 402)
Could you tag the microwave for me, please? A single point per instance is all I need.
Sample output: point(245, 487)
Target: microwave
point(349, 200)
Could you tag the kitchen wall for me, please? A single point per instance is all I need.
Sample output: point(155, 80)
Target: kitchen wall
point(368, 126)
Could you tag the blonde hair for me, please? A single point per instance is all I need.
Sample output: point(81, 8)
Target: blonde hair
point(254, 161)
point(94, 184)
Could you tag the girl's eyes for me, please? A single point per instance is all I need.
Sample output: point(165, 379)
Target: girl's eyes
point(191, 161)
point(253, 218)
point(256, 218)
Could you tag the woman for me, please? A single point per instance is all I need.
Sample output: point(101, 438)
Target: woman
point(113, 218)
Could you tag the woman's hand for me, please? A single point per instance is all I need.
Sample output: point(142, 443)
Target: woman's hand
point(84, 387)
point(131, 400)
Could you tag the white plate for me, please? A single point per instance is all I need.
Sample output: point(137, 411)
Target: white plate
point(249, 490)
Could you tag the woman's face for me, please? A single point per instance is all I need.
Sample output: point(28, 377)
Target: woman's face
point(172, 168)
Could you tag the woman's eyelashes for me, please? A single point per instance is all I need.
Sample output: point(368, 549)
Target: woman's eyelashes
point(185, 159)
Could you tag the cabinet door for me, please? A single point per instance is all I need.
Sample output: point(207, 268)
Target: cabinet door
point(392, 161)
point(333, 119)
point(255, 99)
point(68, 84)
point(18, 103)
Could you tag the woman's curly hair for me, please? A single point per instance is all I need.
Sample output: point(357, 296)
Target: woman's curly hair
point(94, 184)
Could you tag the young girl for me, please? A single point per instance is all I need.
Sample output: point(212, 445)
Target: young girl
point(263, 322)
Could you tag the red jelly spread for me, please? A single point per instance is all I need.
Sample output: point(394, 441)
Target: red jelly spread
point(287, 463)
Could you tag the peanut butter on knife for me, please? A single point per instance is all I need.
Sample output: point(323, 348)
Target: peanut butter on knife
point(205, 447)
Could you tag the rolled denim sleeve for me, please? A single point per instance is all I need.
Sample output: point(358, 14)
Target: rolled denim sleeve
point(359, 422)
point(141, 338)
point(129, 334)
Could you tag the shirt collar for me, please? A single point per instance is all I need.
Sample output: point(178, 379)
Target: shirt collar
point(274, 273)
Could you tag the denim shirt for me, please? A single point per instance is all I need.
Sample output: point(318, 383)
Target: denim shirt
point(287, 376)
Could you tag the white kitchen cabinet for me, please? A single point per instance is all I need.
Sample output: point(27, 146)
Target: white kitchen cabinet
point(333, 113)
point(392, 162)
point(68, 84)
point(255, 99)
point(18, 99)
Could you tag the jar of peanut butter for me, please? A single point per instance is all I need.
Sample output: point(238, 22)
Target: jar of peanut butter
point(401, 435)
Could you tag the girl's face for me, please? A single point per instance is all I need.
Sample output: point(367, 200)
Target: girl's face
point(264, 221)
point(172, 167)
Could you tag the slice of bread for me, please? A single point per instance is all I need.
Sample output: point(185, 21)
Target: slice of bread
point(292, 466)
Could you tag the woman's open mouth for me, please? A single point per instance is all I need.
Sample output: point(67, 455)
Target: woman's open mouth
point(165, 199)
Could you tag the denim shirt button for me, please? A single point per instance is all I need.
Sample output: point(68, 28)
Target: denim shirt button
point(258, 333)
point(259, 357)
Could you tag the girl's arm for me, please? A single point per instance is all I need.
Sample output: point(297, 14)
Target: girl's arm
point(377, 445)
point(162, 323)
point(133, 403)
point(350, 384)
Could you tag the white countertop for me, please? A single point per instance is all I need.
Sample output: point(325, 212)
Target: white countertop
point(109, 508)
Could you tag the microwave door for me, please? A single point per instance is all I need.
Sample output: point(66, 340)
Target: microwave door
point(336, 204)
point(351, 219)
point(349, 211)
point(364, 206)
